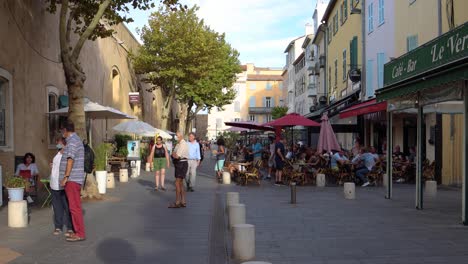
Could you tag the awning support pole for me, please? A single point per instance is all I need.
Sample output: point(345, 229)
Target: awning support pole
point(465, 156)
point(419, 159)
point(389, 170)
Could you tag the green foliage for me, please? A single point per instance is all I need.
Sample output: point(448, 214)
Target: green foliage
point(122, 151)
point(121, 141)
point(230, 138)
point(279, 111)
point(184, 57)
point(16, 182)
point(102, 152)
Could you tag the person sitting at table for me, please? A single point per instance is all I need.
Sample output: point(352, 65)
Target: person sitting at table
point(397, 154)
point(248, 155)
point(338, 159)
point(59, 199)
point(365, 161)
point(28, 170)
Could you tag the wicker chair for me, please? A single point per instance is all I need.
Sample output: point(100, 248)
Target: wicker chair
point(251, 174)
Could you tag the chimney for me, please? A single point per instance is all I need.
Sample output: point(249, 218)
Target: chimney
point(309, 29)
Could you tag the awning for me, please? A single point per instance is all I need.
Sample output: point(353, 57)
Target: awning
point(367, 107)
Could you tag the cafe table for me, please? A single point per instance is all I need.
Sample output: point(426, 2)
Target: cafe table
point(48, 199)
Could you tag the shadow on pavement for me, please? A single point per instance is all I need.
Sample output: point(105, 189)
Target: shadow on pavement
point(116, 250)
point(146, 183)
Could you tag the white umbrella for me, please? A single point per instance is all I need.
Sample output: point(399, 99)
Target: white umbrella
point(140, 128)
point(96, 111)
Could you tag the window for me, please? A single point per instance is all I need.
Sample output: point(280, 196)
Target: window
point(280, 85)
point(353, 56)
point(381, 12)
point(335, 24)
point(268, 118)
point(380, 69)
point(252, 118)
point(345, 73)
point(370, 26)
point(237, 106)
point(6, 111)
point(344, 11)
point(329, 34)
point(53, 120)
point(252, 86)
point(116, 86)
point(411, 42)
point(268, 86)
point(236, 119)
point(336, 73)
point(268, 102)
point(252, 101)
point(370, 78)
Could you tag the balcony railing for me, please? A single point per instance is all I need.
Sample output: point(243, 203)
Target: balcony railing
point(260, 110)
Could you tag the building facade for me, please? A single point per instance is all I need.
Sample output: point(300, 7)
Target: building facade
point(293, 51)
point(32, 82)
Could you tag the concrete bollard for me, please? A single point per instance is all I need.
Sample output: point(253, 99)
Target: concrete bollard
point(147, 166)
point(18, 214)
point(320, 180)
point(430, 188)
point(232, 198)
point(226, 177)
point(236, 214)
point(138, 167)
point(349, 190)
point(243, 242)
point(134, 173)
point(110, 180)
point(256, 262)
point(123, 175)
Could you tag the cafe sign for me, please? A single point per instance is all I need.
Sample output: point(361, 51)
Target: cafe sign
point(444, 50)
point(134, 98)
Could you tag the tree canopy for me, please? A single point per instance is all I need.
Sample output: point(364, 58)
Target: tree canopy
point(279, 111)
point(187, 60)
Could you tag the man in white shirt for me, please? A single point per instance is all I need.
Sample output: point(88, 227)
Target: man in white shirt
point(180, 156)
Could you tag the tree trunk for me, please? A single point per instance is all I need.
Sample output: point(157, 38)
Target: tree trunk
point(76, 108)
point(182, 119)
point(188, 124)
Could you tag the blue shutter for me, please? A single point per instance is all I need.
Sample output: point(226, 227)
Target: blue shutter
point(380, 69)
point(252, 101)
point(381, 11)
point(264, 101)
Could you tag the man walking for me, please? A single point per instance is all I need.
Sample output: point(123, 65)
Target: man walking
point(179, 156)
point(73, 176)
point(194, 158)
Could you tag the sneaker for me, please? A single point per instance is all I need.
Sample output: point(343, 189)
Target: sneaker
point(365, 184)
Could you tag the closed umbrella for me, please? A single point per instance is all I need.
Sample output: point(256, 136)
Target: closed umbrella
point(327, 138)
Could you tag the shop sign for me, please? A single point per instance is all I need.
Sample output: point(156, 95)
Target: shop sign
point(134, 98)
point(446, 49)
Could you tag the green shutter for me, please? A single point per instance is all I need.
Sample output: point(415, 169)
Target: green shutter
point(353, 56)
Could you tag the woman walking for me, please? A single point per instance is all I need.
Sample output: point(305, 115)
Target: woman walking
point(160, 157)
point(59, 199)
point(220, 157)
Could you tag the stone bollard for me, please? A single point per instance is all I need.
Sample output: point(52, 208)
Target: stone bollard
point(430, 188)
point(18, 214)
point(226, 177)
point(256, 262)
point(236, 214)
point(134, 173)
point(110, 180)
point(147, 166)
point(243, 242)
point(138, 167)
point(231, 198)
point(349, 190)
point(320, 180)
point(123, 175)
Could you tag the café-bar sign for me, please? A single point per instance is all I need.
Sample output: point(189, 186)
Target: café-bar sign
point(134, 98)
point(438, 52)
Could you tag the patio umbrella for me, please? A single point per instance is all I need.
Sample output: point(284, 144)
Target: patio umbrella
point(237, 129)
point(140, 128)
point(290, 120)
point(251, 125)
point(327, 139)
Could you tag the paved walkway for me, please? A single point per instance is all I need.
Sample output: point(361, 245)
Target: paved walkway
point(132, 225)
point(323, 227)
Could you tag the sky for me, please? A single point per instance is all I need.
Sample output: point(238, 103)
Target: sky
point(259, 29)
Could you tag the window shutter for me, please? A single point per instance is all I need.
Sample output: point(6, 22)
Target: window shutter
point(272, 101)
point(369, 78)
point(380, 65)
point(264, 101)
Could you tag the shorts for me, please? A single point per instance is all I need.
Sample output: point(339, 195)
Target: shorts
point(181, 168)
point(219, 165)
point(271, 163)
point(279, 164)
point(159, 163)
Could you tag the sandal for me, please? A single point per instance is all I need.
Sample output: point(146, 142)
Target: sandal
point(57, 231)
point(175, 205)
point(163, 189)
point(156, 189)
point(183, 205)
point(75, 239)
point(69, 233)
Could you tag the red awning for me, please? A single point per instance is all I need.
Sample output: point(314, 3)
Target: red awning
point(367, 107)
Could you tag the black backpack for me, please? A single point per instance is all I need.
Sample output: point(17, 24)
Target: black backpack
point(88, 159)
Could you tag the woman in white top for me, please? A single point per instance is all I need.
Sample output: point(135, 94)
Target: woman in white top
point(28, 168)
point(59, 199)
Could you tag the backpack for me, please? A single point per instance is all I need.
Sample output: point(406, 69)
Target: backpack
point(88, 159)
point(202, 154)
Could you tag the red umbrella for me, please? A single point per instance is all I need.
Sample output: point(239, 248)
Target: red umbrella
point(249, 125)
point(327, 139)
point(293, 119)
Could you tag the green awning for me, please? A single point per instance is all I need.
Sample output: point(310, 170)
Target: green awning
point(410, 87)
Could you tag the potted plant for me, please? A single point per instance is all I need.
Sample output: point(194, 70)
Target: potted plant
point(102, 152)
point(16, 186)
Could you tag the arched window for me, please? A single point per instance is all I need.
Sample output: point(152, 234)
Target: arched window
point(115, 85)
point(53, 120)
point(6, 111)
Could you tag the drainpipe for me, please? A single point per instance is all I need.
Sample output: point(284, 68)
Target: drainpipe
point(363, 63)
point(325, 83)
point(439, 14)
